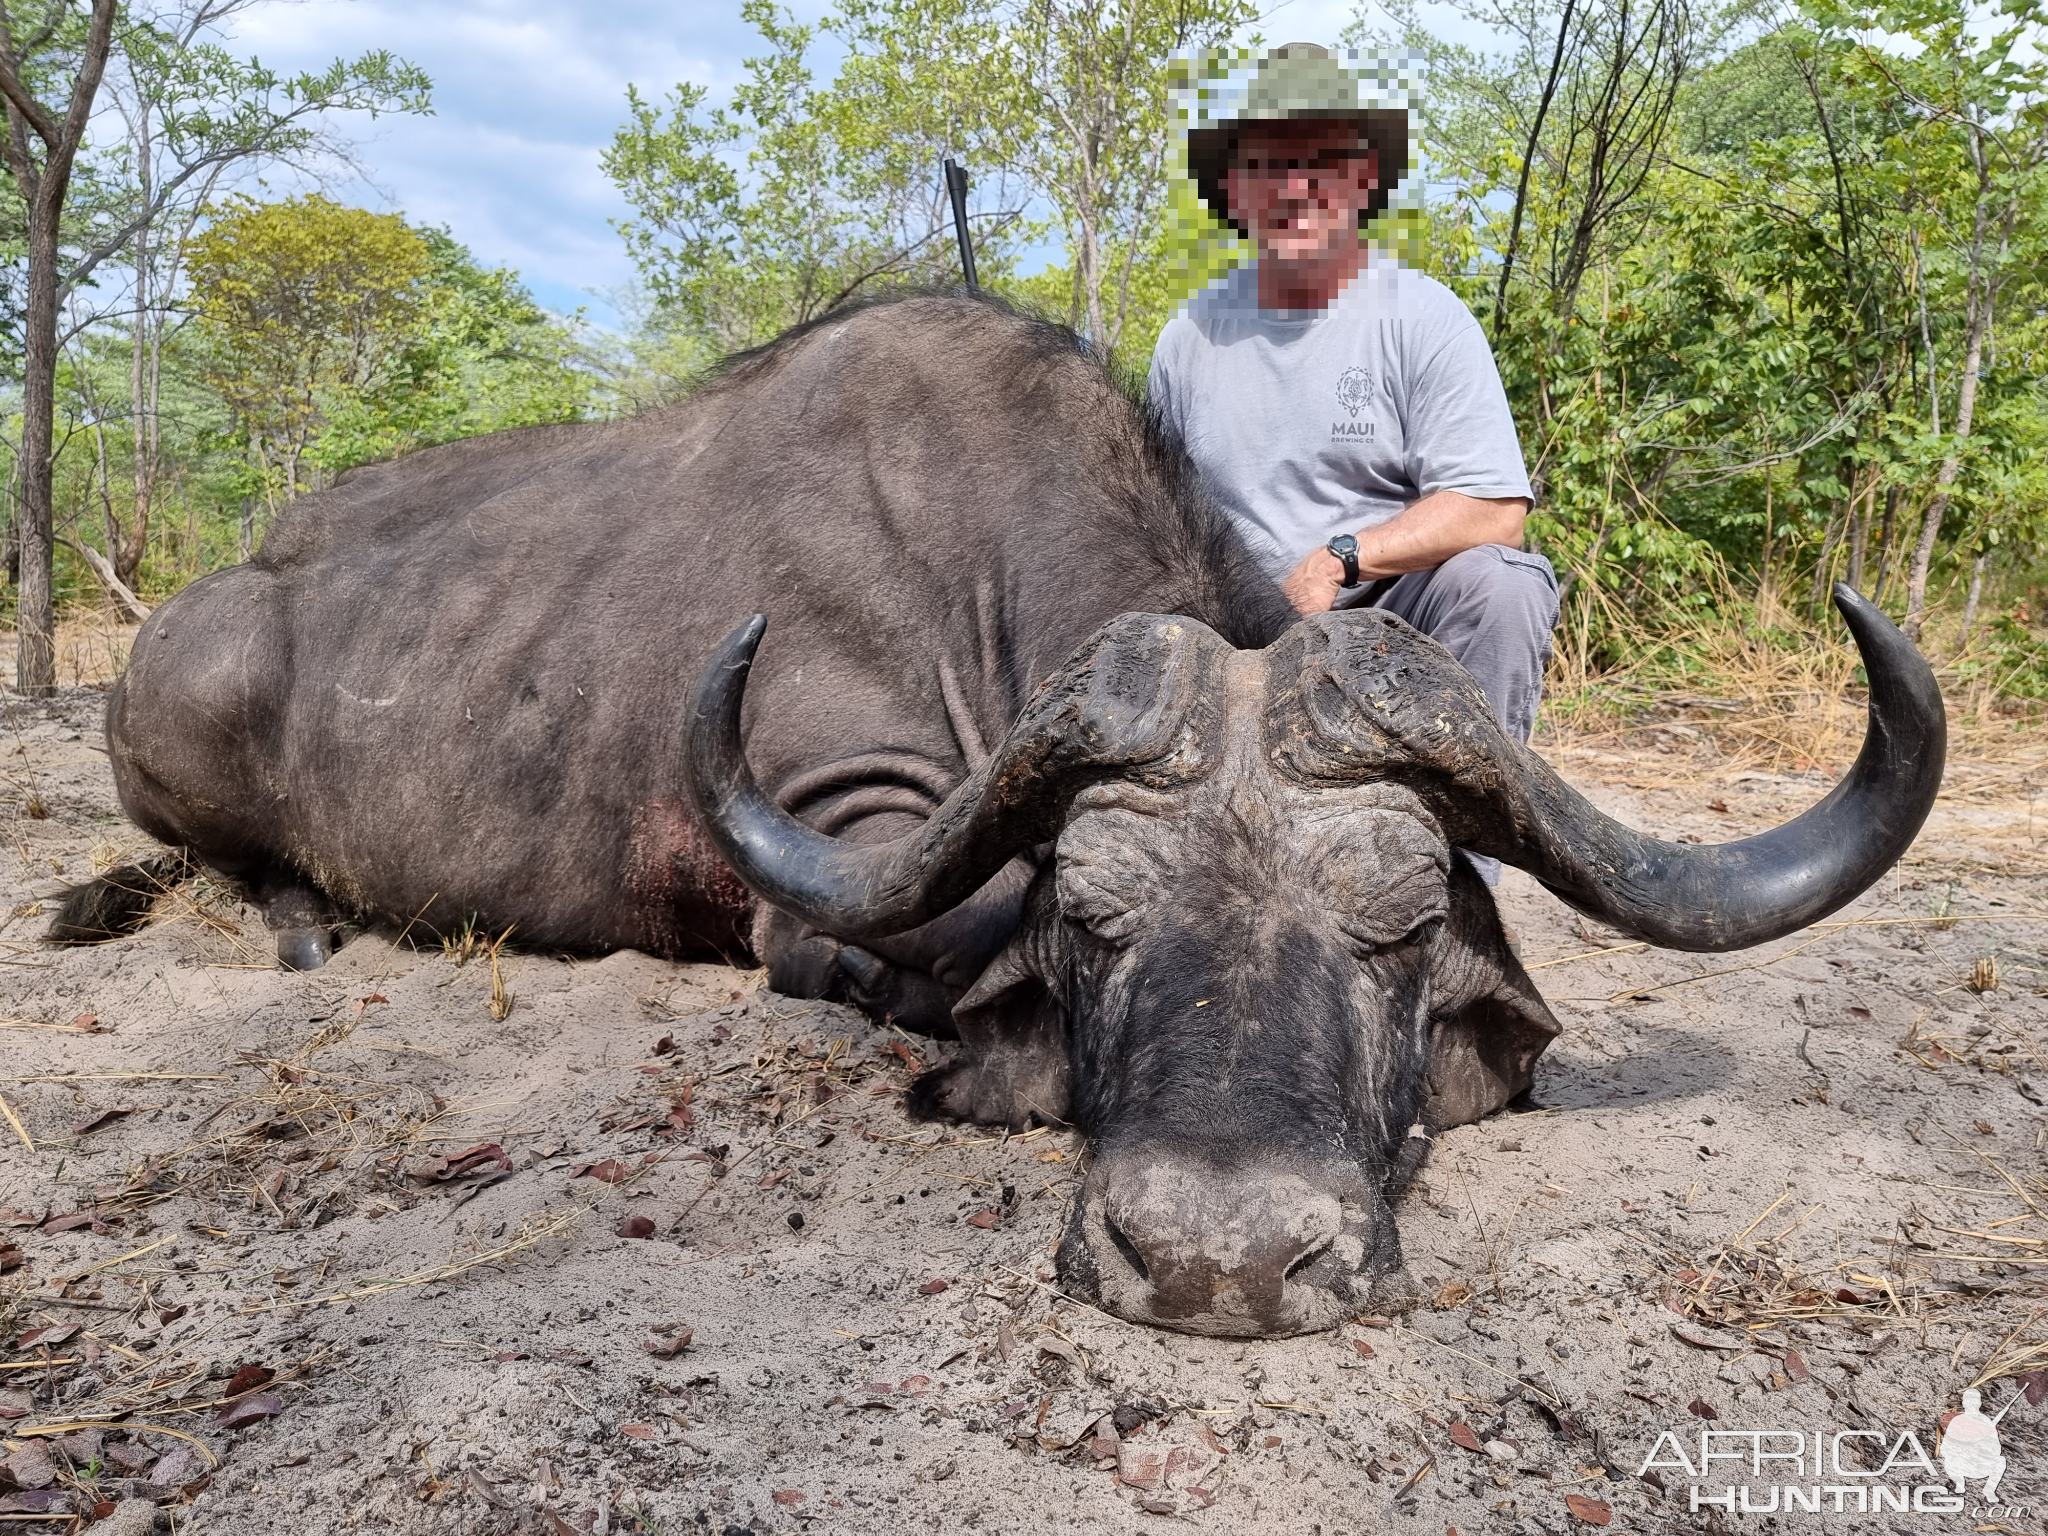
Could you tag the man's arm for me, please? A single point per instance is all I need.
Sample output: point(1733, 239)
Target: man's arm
point(1422, 536)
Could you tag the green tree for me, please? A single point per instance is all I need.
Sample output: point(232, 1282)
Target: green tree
point(1734, 288)
point(54, 50)
point(481, 356)
point(190, 111)
point(797, 196)
point(191, 114)
point(765, 213)
point(305, 306)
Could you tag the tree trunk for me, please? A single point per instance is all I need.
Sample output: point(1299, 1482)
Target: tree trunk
point(35, 654)
point(1887, 558)
point(43, 188)
point(1827, 559)
point(127, 555)
point(129, 606)
point(1862, 504)
point(1976, 596)
point(1945, 479)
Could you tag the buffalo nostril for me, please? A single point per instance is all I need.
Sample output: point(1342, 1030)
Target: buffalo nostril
point(1126, 1247)
point(1308, 1256)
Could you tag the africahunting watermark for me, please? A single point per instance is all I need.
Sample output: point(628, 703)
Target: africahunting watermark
point(1795, 1471)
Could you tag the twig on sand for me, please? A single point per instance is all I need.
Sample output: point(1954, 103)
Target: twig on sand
point(1726, 1248)
point(26, 1139)
point(74, 1276)
point(528, 1236)
point(1484, 1365)
point(2031, 1356)
point(130, 1425)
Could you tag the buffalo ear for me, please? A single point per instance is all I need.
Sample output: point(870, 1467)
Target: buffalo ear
point(1488, 1023)
point(1012, 1065)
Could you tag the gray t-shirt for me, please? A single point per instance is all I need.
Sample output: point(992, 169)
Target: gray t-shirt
point(1307, 425)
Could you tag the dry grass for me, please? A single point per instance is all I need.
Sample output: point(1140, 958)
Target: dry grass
point(1774, 692)
point(93, 646)
point(299, 1150)
point(1753, 1286)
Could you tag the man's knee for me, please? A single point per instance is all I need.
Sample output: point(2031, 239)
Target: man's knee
point(1501, 583)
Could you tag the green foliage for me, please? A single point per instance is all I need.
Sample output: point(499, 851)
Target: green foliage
point(794, 197)
point(339, 336)
point(304, 305)
point(765, 213)
point(1738, 353)
point(480, 356)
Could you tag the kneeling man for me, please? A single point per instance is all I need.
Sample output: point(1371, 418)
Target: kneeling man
point(1347, 414)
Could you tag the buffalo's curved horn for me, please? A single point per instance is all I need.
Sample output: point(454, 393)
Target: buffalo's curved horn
point(1120, 705)
point(1729, 896)
point(1497, 797)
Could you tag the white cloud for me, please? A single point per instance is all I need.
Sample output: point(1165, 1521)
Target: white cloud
point(526, 96)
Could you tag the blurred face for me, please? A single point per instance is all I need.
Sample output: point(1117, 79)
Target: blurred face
point(1300, 187)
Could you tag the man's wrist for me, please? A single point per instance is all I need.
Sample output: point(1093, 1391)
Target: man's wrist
point(1344, 550)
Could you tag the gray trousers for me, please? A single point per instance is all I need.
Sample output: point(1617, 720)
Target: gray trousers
point(1493, 608)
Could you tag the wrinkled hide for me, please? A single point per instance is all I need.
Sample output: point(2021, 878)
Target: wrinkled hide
point(1249, 989)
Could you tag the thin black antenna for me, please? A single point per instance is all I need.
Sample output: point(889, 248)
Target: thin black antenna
point(956, 188)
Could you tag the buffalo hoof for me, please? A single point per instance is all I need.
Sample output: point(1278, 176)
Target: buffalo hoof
point(304, 949)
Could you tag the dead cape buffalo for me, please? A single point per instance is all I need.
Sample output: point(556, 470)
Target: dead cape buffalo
point(1024, 744)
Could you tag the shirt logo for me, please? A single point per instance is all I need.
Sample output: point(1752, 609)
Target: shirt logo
point(1354, 389)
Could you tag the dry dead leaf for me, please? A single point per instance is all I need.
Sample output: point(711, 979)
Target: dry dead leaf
point(667, 1342)
point(1699, 1407)
point(1464, 1435)
point(98, 1118)
point(31, 1466)
point(1590, 1511)
point(260, 1405)
point(1795, 1366)
point(931, 1288)
point(610, 1171)
point(637, 1431)
point(440, 1169)
point(985, 1219)
point(247, 1379)
point(34, 1501)
point(635, 1226)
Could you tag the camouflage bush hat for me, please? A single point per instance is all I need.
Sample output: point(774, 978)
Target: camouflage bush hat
point(1302, 81)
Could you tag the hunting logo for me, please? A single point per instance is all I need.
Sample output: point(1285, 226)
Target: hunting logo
point(1811, 1474)
point(1354, 389)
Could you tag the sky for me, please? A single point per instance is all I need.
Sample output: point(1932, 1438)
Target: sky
point(527, 93)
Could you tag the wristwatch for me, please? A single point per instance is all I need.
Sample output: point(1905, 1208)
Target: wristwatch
point(1345, 548)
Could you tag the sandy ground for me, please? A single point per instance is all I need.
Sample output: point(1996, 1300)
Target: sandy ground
point(1799, 1189)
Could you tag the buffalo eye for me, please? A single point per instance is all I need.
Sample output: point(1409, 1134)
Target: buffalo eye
point(1365, 941)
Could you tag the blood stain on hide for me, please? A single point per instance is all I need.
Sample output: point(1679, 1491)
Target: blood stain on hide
point(691, 902)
